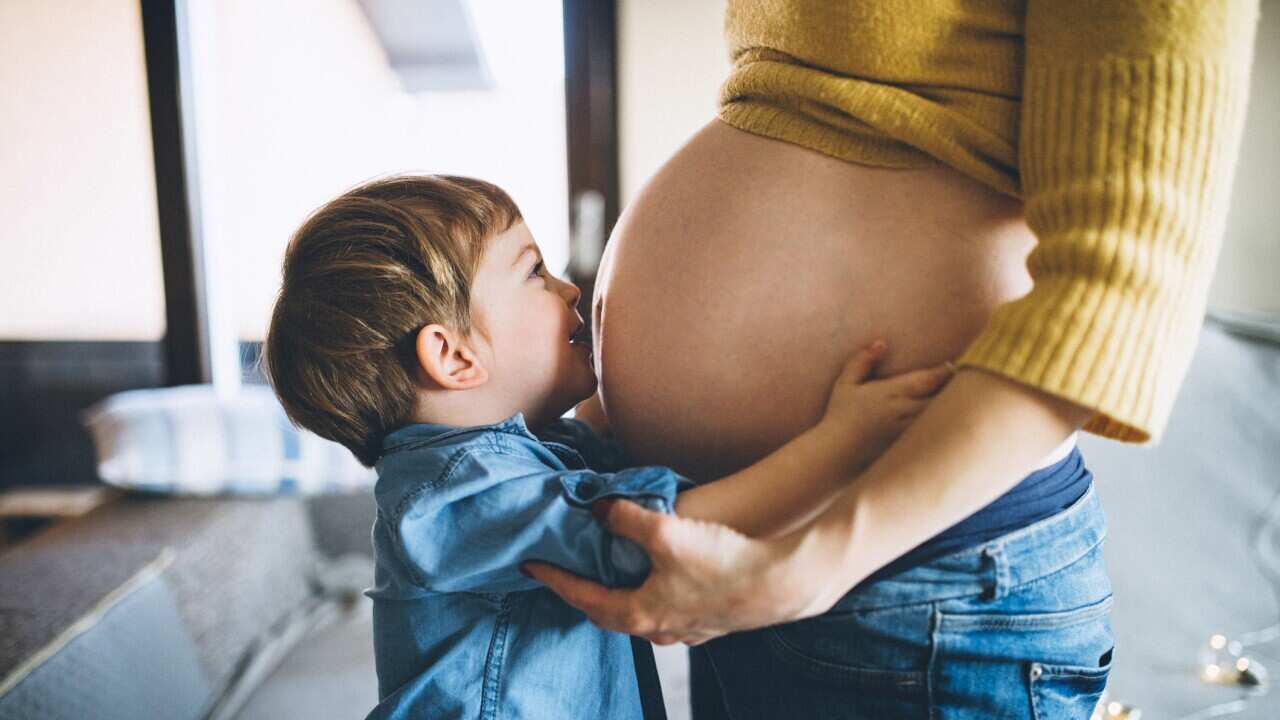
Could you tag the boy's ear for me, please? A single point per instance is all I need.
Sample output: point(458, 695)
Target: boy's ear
point(448, 361)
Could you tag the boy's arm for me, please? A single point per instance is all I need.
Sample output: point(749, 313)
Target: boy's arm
point(469, 530)
point(795, 483)
point(776, 494)
point(784, 490)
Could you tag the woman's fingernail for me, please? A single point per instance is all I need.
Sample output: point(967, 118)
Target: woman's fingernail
point(600, 510)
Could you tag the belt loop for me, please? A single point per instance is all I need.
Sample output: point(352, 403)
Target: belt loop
point(999, 577)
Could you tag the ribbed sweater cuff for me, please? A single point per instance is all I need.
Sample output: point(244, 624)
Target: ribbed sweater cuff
point(1126, 167)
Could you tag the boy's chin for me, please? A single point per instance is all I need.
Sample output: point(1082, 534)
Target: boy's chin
point(569, 399)
point(581, 393)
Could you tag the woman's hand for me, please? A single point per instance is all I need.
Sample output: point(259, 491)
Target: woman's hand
point(706, 580)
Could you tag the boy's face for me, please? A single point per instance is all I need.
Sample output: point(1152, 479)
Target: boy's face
point(530, 318)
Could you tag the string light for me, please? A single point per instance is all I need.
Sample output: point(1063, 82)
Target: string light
point(1108, 709)
point(1222, 660)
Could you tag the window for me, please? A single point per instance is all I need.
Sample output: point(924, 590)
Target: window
point(297, 101)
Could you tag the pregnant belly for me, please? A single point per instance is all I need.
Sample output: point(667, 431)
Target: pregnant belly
point(748, 269)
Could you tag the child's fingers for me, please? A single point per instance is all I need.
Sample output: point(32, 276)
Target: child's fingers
point(922, 383)
point(909, 408)
point(860, 364)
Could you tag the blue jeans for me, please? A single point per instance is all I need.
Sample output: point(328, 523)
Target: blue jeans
point(1017, 627)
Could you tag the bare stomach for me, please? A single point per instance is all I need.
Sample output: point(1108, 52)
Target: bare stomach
point(748, 269)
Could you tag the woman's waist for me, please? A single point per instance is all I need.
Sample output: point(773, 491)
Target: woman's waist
point(1046, 521)
point(1059, 453)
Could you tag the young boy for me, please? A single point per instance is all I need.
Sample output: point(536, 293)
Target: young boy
point(417, 325)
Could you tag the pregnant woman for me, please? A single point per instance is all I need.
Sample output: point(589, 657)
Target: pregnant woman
point(1035, 190)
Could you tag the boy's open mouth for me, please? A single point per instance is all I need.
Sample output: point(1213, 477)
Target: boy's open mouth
point(582, 339)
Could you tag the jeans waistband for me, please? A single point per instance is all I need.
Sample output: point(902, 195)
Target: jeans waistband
point(994, 567)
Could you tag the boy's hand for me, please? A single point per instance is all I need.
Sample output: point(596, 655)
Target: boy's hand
point(871, 414)
point(591, 412)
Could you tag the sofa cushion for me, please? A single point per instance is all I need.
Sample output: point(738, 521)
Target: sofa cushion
point(108, 643)
point(194, 441)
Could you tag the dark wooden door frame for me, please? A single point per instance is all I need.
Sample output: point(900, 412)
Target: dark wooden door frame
point(591, 119)
point(186, 341)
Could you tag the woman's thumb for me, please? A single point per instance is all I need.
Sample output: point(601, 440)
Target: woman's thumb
point(629, 520)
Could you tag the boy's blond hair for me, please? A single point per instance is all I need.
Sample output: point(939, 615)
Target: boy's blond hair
point(362, 275)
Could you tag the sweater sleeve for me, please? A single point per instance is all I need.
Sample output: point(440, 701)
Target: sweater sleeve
point(1130, 126)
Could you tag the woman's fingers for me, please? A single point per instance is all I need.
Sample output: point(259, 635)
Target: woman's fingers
point(702, 582)
point(606, 607)
point(615, 609)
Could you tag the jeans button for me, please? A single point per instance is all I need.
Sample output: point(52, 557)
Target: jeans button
point(1036, 671)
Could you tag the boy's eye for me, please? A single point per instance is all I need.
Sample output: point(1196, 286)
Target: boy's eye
point(537, 270)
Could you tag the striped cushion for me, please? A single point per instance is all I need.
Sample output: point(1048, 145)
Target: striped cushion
point(191, 441)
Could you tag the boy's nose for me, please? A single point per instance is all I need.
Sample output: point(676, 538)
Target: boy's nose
point(572, 293)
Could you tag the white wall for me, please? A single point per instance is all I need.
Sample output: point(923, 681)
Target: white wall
point(671, 60)
point(79, 241)
point(1248, 276)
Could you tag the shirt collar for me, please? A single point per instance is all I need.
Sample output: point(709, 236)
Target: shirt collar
point(420, 434)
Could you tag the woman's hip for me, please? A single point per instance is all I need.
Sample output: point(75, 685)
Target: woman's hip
point(1018, 627)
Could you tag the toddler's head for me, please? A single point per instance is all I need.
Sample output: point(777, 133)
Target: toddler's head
point(421, 299)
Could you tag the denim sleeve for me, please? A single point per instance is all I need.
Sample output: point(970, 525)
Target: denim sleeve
point(600, 454)
point(492, 511)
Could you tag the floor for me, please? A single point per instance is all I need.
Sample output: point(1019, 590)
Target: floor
point(1182, 517)
point(329, 675)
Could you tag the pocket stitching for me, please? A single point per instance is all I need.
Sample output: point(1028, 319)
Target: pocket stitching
point(1080, 671)
point(1098, 674)
point(1031, 621)
point(905, 679)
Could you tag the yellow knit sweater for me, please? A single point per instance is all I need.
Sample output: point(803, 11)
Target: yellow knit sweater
point(1117, 122)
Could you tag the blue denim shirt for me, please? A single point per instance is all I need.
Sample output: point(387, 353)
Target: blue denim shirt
point(458, 631)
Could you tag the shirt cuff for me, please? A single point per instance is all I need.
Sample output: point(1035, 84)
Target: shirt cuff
point(653, 488)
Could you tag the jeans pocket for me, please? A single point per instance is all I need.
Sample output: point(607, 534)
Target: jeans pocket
point(1057, 660)
point(1066, 691)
